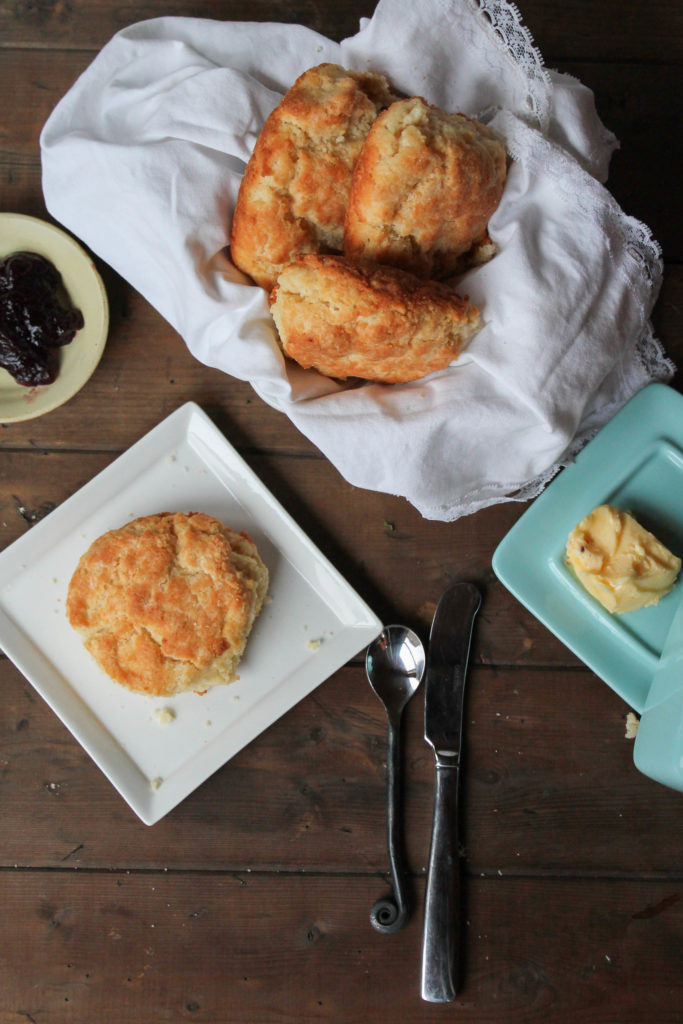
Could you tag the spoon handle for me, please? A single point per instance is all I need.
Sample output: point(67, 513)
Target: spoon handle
point(388, 916)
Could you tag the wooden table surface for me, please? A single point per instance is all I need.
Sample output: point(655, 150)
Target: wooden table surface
point(249, 902)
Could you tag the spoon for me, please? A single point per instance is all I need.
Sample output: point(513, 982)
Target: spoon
point(394, 664)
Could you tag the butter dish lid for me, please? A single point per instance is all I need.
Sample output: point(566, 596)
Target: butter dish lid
point(658, 748)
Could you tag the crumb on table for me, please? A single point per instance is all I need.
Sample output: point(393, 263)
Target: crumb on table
point(632, 722)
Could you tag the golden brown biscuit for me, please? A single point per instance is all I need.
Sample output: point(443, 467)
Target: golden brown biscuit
point(293, 195)
point(166, 602)
point(373, 322)
point(423, 190)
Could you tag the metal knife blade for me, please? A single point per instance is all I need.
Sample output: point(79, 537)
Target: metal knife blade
point(447, 657)
point(448, 654)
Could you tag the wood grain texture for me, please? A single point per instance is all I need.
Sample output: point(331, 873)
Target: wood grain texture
point(150, 949)
point(623, 30)
point(308, 795)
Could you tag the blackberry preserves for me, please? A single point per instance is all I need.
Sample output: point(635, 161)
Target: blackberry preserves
point(36, 318)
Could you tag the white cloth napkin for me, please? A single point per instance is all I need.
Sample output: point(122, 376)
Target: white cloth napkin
point(142, 159)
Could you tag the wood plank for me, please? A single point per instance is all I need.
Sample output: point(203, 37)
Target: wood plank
point(610, 31)
point(614, 30)
point(89, 26)
point(36, 82)
point(250, 948)
point(634, 103)
point(146, 373)
point(549, 788)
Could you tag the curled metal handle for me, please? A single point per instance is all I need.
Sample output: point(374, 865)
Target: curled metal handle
point(390, 915)
point(387, 917)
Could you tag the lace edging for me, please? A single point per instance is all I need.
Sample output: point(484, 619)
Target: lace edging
point(651, 365)
point(587, 193)
point(506, 25)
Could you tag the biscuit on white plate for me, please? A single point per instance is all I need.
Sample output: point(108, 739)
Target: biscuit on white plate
point(423, 190)
point(292, 198)
point(372, 322)
point(166, 603)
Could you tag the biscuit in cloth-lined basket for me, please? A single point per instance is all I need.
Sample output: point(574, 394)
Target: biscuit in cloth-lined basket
point(373, 322)
point(293, 195)
point(166, 603)
point(423, 190)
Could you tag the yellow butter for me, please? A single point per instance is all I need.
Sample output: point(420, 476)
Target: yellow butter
point(619, 562)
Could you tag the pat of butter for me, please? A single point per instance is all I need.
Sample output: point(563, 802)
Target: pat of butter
point(619, 562)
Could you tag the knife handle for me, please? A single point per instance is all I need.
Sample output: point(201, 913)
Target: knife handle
point(440, 941)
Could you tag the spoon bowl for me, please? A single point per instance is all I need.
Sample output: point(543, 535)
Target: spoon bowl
point(394, 664)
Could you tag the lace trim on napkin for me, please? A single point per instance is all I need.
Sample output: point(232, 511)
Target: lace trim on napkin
point(650, 365)
point(523, 144)
point(506, 25)
point(644, 364)
point(502, 22)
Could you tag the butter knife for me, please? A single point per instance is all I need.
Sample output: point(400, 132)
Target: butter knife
point(447, 657)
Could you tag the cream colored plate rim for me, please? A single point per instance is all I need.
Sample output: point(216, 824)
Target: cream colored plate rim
point(78, 360)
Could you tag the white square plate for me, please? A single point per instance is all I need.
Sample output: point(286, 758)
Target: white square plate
point(311, 625)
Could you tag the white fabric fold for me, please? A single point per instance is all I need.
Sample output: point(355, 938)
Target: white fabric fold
point(143, 158)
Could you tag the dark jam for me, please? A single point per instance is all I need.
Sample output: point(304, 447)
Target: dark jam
point(36, 318)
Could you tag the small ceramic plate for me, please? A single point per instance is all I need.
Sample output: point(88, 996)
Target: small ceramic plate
point(311, 625)
point(635, 463)
point(78, 359)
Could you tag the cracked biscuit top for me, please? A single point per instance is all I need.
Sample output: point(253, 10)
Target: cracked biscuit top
point(423, 190)
point(293, 195)
point(372, 322)
point(166, 603)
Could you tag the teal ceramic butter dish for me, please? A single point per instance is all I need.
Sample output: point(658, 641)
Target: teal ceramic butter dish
point(636, 463)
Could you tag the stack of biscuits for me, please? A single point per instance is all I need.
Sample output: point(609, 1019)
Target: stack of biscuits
point(355, 209)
